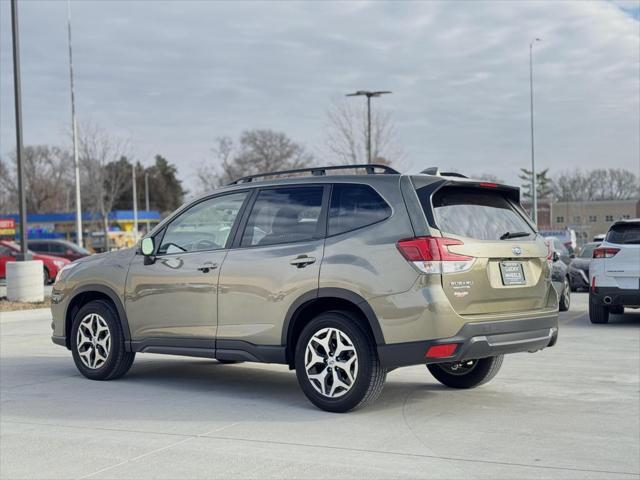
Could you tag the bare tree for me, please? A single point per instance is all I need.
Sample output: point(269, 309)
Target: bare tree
point(106, 171)
point(346, 134)
point(257, 151)
point(47, 171)
point(599, 184)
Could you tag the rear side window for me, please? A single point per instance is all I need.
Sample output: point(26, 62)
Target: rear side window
point(479, 214)
point(39, 247)
point(624, 234)
point(284, 215)
point(355, 206)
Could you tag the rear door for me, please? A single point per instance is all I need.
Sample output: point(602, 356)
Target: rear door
point(507, 274)
point(275, 260)
point(624, 266)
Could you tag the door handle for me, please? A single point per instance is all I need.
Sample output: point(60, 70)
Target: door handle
point(207, 267)
point(302, 261)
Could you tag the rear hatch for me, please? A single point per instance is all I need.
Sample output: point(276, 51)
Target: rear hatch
point(506, 267)
point(622, 260)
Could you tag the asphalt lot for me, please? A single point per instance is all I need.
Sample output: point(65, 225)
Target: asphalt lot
point(572, 411)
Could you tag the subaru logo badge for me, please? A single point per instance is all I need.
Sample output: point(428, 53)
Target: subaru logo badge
point(516, 250)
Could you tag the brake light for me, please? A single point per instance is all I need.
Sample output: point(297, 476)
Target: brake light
point(489, 185)
point(441, 351)
point(432, 255)
point(549, 251)
point(605, 252)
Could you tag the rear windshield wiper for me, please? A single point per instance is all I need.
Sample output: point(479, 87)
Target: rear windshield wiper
point(509, 235)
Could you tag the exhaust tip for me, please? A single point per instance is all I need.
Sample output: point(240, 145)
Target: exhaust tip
point(607, 300)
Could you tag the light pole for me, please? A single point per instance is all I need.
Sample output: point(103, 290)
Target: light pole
point(146, 199)
point(534, 190)
point(74, 128)
point(135, 201)
point(22, 197)
point(369, 95)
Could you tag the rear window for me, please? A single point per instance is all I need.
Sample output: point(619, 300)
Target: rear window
point(624, 234)
point(355, 206)
point(479, 214)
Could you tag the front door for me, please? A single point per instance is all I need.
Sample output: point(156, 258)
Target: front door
point(274, 262)
point(175, 299)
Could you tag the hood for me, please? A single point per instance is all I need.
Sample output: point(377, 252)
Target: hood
point(116, 255)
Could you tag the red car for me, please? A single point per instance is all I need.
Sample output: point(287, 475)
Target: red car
point(9, 250)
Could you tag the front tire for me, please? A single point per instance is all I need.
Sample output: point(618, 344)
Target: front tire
point(337, 364)
point(598, 313)
point(565, 296)
point(97, 342)
point(466, 374)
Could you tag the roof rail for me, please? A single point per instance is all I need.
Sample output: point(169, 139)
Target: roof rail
point(370, 168)
point(436, 171)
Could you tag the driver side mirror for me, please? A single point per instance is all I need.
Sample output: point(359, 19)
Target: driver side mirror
point(556, 256)
point(148, 248)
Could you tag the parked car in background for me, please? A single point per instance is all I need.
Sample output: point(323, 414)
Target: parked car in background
point(59, 248)
point(615, 272)
point(51, 265)
point(599, 237)
point(560, 260)
point(579, 267)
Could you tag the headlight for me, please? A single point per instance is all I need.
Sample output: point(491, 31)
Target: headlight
point(65, 268)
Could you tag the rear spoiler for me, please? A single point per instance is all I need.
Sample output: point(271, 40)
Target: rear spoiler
point(441, 180)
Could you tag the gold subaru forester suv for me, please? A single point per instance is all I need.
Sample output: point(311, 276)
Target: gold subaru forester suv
point(342, 276)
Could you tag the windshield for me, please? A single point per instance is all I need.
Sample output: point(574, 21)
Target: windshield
point(15, 246)
point(624, 234)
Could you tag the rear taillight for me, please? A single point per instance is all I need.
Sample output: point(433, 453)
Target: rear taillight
point(605, 252)
point(549, 251)
point(432, 255)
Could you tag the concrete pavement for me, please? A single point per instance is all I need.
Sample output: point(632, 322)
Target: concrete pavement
point(572, 411)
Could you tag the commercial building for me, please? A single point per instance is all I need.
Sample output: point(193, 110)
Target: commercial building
point(589, 218)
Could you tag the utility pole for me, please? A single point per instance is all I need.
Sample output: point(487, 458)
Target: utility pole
point(534, 189)
point(369, 95)
point(146, 199)
point(22, 196)
point(135, 201)
point(74, 128)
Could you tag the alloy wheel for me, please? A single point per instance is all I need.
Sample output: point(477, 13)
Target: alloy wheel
point(93, 341)
point(331, 362)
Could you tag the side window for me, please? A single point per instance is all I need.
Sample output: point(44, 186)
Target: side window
point(5, 251)
point(355, 206)
point(56, 248)
point(284, 215)
point(40, 247)
point(205, 226)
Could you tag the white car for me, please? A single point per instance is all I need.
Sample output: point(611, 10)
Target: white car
point(614, 272)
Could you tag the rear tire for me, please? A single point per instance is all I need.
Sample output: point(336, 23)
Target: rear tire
point(480, 372)
point(565, 296)
point(97, 342)
point(598, 313)
point(346, 377)
point(46, 278)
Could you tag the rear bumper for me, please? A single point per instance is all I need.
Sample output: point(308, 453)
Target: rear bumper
point(478, 340)
point(614, 296)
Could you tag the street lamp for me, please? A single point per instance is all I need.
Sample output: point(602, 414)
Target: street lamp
point(534, 190)
point(74, 129)
point(22, 196)
point(369, 95)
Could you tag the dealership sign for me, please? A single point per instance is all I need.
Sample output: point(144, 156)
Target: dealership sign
point(7, 226)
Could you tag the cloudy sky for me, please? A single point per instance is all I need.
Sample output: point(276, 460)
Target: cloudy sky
point(174, 75)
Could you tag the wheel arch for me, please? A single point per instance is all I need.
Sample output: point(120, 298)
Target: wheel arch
point(88, 293)
point(311, 304)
